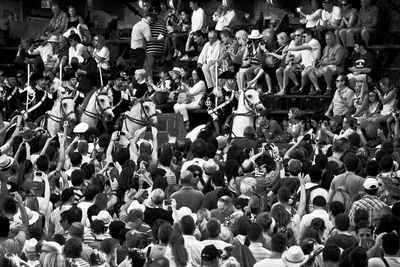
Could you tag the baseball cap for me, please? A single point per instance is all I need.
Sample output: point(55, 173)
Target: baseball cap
point(371, 184)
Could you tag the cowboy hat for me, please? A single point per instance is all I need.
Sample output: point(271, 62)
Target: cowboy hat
point(53, 39)
point(294, 257)
point(33, 216)
point(5, 161)
point(103, 216)
point(175, 70)
point(255, 34)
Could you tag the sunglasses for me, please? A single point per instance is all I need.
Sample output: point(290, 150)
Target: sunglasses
point(297, 35)
point(338, 81)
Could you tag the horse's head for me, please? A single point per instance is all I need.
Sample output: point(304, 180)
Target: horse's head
point(103, 103)
point(149, 112)
point(252, 101)
point(67, 106)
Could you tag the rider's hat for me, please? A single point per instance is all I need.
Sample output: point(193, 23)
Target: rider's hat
point(81, 127)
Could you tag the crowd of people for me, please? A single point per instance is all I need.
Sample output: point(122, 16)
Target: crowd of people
point(88, 198)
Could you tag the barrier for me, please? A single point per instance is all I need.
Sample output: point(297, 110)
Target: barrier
point(168, 123)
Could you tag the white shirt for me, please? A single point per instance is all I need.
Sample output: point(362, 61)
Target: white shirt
point(194, 248)
point(198, 19)
point(309, 56)
point(294, 53)
point(331, 17)
point(47, 54)
point(104, 53)
point(210, 52)
point(270, 262)
point(84, 206)
point(317, 213)
point(72, 52)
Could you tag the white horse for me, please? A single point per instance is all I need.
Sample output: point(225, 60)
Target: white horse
point(249, 105)
point(62, 110)
point(98, 108)
point(142, 113)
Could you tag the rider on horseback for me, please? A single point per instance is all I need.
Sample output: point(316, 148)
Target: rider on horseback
point(10, 100)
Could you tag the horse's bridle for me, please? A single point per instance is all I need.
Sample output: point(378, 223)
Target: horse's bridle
point(63, 114)
point(145, 122)
point(98, 114)
point(251, 107)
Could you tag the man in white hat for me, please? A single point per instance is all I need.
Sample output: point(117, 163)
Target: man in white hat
point(369, 202)
point(209, 55)
point(47, 52)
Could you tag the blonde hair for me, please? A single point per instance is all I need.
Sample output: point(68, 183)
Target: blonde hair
point(101, 40)
point(284, 36)
point(248, 186)
point(242, 34)
point(53, 259)
point(231, 262)
point(141, 73)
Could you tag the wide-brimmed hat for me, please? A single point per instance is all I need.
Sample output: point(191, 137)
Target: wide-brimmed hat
point(33, 216)
point(103, 216)
point(210, 166)
point(53, 39)
point(255, 34)
point(175, 70)
point(294, 257)
point(5, 161)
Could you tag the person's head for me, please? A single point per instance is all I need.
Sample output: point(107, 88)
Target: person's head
point(315, 174)
point(385, 84)
point(278, 243)
point(342, 222)
point(165, 154)
point(52, 259)
point(194, 4)
point(42, 163)
point(91, 191)
point(198, 148)
point(55, 8)
point(76, 159)
point(164, 233)
point(187, 225)
point(186, 178)
point(294, 113)
point(360, 46)
point(351, 161)
point(218, 179)
point(319, 202)
point(327, 5)
point(336, 207)
point(197, 75)
point(387, 224)
point(330, 38)
point(226, 36)
point(281, 216)
point(67, 195)
point(213, 228)
point(184, 14)
point(241, 37)
point(358, 257)
point(372, 168)
point(377, 217)
point(76, 230)
point(341, 81)
point(84, 52)
point(308, 35)
point(67, 218)
point(98, 41)
point(198, 37)
point(71, 11)
point(283, 194)
point(390, 244)
point(135, 216)
point(73, 248)
point(254, 232)
point(74, 39)
point(282, 38)
point(298, 36)
point(77, 177)
point(212, 37)
point(365, 3)
point(386, 163)
point(331, 254)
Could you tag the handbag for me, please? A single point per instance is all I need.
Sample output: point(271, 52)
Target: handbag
point(272, 61)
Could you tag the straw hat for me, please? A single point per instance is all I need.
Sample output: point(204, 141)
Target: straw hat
point(255, 34)
point(33, 216)
point(294, 257)
point(5, 161)
point(53, 39)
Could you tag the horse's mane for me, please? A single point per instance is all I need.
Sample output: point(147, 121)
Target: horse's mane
point(85, 101)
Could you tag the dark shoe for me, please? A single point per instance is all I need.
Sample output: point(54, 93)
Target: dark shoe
point(295, 89)
point(317, 92)
point(328, 93)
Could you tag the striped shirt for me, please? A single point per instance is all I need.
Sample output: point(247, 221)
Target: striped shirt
point(368, 203)
point(156, 47)
point(258, 251)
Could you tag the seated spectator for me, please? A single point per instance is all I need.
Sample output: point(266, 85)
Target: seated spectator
point(75, 47)
point(331, 63)
point(293, 130)
point(209, 56)
point(349, 20)
point(331, 17)
point(251, 62)
point(58, 23)
point(364, 104)
point(273, 57)
point(194, 45)
point(268, 127)
point(342, 102)
point(63, 54)
point(180, 32)
point(366, 24)
point(227, 17)
point(48, 52)
point(348, 129)
point(77, 25)
point(362, 65)
point(192, 97)
point(101, 53)
point(290, 59)
point(198, 16)
point(140, 86)
point(310, 53)
point(312, 19)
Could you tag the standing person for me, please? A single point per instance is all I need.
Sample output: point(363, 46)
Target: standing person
point(155, 48)
point(187, 196)
point(141, 34)
point(198, 16)
point(87, 71)
point(331, 17)
point(101, 53)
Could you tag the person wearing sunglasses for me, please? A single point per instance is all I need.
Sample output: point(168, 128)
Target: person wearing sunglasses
point(349, 20)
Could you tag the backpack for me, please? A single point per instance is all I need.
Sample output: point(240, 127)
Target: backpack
point(308, 193)
point(342, 196)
